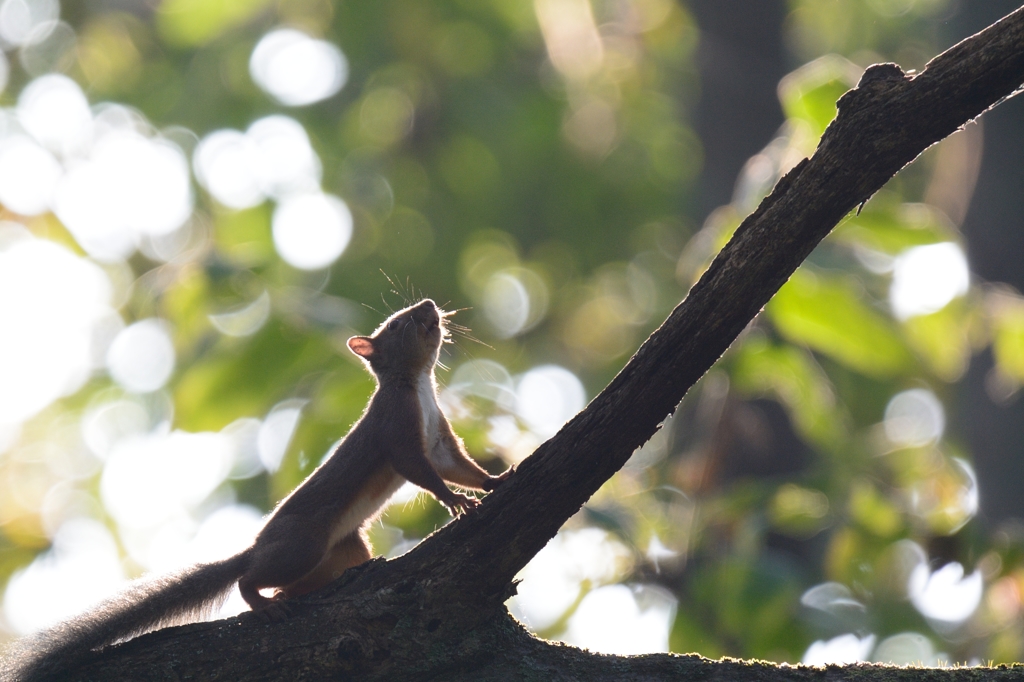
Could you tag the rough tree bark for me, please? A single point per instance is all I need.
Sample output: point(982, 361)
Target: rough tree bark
point(437, 612)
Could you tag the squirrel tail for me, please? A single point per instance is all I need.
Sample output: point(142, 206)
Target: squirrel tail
point(146, 604)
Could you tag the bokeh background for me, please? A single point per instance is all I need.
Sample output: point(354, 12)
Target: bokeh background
point(202, 200)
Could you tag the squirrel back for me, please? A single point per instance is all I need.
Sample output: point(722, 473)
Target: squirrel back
point(319, 530)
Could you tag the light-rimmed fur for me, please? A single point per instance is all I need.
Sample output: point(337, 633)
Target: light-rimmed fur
point(319, 530)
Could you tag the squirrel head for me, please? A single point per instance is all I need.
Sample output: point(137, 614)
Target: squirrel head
point(406, 343)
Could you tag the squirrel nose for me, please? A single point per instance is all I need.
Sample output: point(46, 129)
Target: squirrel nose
point(426, 310)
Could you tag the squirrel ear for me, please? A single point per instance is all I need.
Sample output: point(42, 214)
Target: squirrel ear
point(361, 346)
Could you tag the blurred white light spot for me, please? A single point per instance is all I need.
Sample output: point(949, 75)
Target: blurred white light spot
point(50, 303)
point(158, 546)
point(506, 304)
point(152, 478)
point(276, 432)
point(311, 230)
point(947, 500)
point(109, 117)
point(153, 181)
point(246, 320)
point(272, 158)
point(484, 378)
point(945, 595)
point(288, 163)
point(20, 19)
point(28, 176)
point(49, 48)
point(227, 165)
point(906, 648)
point(54, 110)
point(296, 69)
point(551, 582)
point(245, 433)
point(547, 397)
point(503, 430)
point(105, 425)
point(839, 650)
point(514, 301)
point(82, 568)
point(618, 620)
point(592, 128)
point(657, 551)
point(141, 358)
point(571, 36)
point(914, 418)
point(654, 450)
point(5, 71)
point(873, 261)
point(831, 597)
point(223, 533)
point(969, 496)
point(9, 435)
point(131, 185)
point(926, 278)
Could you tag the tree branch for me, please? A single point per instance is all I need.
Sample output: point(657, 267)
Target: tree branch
point(436, 613)
point(882, 125)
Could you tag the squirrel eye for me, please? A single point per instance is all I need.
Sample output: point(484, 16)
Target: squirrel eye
point(393, 324)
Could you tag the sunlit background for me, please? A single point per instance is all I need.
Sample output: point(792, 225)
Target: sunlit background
point(202, 201)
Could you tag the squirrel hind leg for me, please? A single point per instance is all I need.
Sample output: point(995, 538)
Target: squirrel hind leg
point(251, 594)
point(349, 551)
point(279, 558)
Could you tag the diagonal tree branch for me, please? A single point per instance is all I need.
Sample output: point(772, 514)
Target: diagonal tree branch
point(882, 125)
point(436, 613)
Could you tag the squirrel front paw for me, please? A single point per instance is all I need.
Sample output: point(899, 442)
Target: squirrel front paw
point(459, 503)
point(493, 482)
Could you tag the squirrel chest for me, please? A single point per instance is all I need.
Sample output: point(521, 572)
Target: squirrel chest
point(386, 482)
point(431, 419)
point(319, 531)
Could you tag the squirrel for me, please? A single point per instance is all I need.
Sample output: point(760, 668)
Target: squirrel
point(319, 530)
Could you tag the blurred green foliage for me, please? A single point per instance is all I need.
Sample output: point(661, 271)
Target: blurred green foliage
point(469, 149)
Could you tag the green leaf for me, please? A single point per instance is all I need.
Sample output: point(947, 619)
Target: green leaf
point(185, 303)
point(195, 22)
point(1008, 334)
point(829, 315)
point(797, 511)
point(754, 600)
point(795, 379)
point(244, 237)
point(873, 512)
point(942, 339)
point(891, 229)
point(809, 94)
point(245, 378)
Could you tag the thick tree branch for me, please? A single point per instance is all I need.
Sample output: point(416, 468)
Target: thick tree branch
point(436, 613)
point(882, 125)
point(500, 651)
